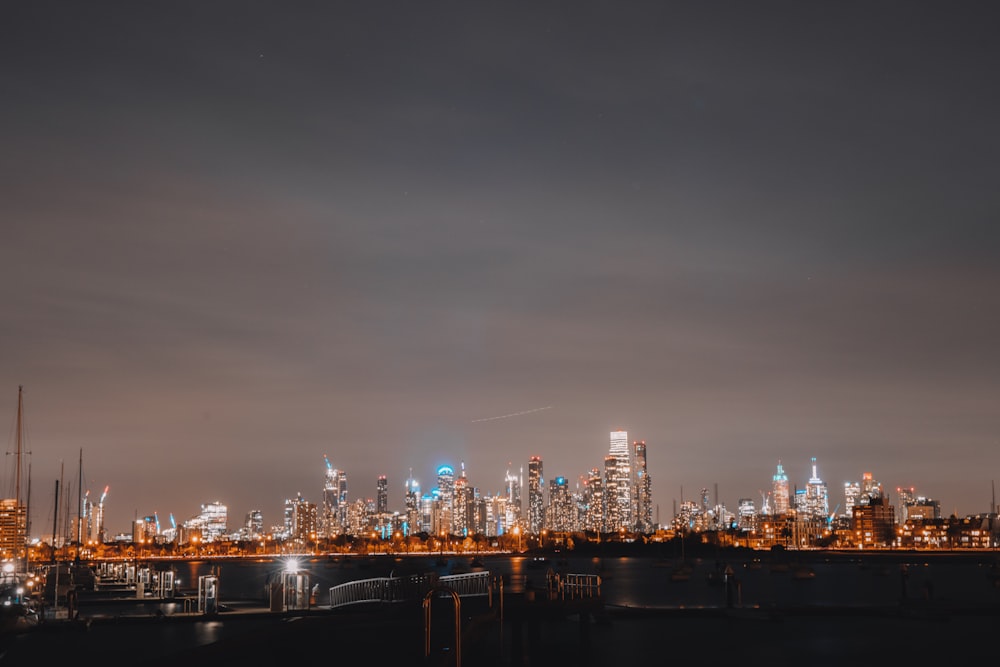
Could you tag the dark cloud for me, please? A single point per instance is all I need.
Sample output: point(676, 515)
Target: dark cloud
point(240, 236)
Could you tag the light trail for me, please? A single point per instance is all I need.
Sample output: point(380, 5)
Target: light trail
point(513, 414)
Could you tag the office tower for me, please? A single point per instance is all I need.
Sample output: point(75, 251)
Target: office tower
point(612, 510)
point(644, 490)
point(780, 492)
point(328, 514)
point(748, 518)
point(817, 502)
point(333, 515)
point(461, 514)
point(852, 497)
point(211, 521)
point(427, 513)
point(512, 490)
point(304, 520)
point(536, 498)
point(621, 498)
point(561, 513)
point(870, 489)
point(446, 497)
point(594, 495)
point(412, 518)
point(382, 497)
point(254, 524)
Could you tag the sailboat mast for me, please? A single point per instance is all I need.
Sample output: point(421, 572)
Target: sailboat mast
point(17, 465)
point(79, 504)
point(20, 519)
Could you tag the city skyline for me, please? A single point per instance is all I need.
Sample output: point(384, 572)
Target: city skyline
point(240, 237)
point(349, 494)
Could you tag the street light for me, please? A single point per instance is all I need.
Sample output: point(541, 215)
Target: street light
point(517, 531)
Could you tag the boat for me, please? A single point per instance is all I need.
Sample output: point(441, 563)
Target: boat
point(538, 562)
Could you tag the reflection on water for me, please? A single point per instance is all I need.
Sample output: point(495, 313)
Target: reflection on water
point(652, 582)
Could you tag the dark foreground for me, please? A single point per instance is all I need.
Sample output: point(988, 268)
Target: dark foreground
point(777, 617)
point(527, 633)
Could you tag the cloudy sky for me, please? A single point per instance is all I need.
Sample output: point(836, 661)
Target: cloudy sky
point(238, 237)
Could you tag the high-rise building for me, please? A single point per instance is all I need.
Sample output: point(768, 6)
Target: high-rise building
point(253, 526)
point(536, 497)
point(382, 497)
point(612, 510)
point(461, 519)
point(780, 496)
point(333, 515)
point(561, 509)
point(13, 522)
point(412, 523)
point(512, 490)
point(621, 497)
point(870, 489)
point(211, 521)
point(817, 502)
point(852, 497)
point(594, 497)
point(304, 519)
point(446, 496)
point(644, 490)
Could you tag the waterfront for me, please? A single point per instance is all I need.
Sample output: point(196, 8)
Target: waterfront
point(880, 607)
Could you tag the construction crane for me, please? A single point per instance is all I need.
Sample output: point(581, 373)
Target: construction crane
point(833, 515)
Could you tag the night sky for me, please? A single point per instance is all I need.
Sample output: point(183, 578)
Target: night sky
point(240, 236)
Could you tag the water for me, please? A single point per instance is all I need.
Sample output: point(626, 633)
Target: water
point(648, 582)
point(840, 584)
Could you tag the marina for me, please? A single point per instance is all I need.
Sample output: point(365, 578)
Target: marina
point(510, 612)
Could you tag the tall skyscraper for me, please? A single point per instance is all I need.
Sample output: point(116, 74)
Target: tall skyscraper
point(644, 490)
point(512, 491)
point(412, 518)
point(870, 489)
point(382, 497)
point(594, 495)
point(817, 500)
point(446, 494)
point(612, 510)
point(621, 498)
point(561, 511)
point(461, 518)
point(780, 494)
point(536, 497)
point(852, 497)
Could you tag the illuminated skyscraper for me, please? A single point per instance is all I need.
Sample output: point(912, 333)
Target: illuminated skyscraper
point(211, 522)
point(594, 496)
point(333, 514)
point(412, 519)
point(870, 489)
point(446, 495)
point(780, 494)
point(644, 490)
point(461, 518)
point(561, 511)
point(512, 491)
point(536, 497)
point(382, 498)
point(852, 496)
point(612, 510)
point(620, 499)
point(817, 502)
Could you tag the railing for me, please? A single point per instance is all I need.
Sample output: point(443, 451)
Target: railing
point(396, 589)
point(473, 583)
point(573, 586)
